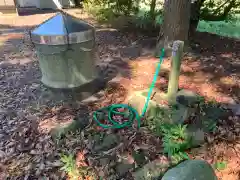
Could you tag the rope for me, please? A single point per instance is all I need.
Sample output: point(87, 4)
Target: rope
point(127, 113)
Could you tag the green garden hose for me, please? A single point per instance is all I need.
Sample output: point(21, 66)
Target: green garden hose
point(128, 114)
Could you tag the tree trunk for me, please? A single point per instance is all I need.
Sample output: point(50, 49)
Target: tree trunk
point(175, 24)
point(152, 10)
point(195, 15)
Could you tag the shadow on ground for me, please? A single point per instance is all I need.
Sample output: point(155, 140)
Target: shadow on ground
point(24, 101)
point(211, 69)
point(34, 11)
point(217, 60)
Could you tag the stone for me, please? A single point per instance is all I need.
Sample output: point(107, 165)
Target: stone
point(181, 113)
point(137, 101)
point(186, 97)
point(79, 123)
point(235, 108)
point(122, 168)
point(213, 113)
point(178, 114)
point(191, 169)
point(196, 135)
point(139, 157)
point(152, 170)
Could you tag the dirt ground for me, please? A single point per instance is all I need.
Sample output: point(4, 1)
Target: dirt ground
point(27, 151)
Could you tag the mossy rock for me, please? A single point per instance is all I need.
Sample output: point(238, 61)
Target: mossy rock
point(196, 135)
point(176, 112)
point(187, 98)
point(73, 125)
point(191, 169)
point(151, 171)
point(123, 168)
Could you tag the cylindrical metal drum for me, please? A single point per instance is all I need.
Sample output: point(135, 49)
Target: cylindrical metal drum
point(65, 48)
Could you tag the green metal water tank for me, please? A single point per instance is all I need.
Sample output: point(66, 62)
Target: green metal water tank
point(65, 49)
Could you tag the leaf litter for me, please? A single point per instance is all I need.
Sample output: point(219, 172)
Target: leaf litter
point(27, 151)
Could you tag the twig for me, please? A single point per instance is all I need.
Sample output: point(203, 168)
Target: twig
point(113, 149)
point(90, 122)
point(132, 138)
point(153, 95)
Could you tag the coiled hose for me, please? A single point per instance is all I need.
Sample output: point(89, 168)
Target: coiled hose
point(126, 112)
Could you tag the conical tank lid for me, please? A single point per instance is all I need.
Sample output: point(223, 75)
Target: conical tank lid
point(62, 29)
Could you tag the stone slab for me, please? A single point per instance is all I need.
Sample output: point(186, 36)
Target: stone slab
point(152, 170)
point(177, 113)
point(187, 97)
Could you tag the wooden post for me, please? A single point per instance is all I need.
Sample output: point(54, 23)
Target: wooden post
point(177, 52)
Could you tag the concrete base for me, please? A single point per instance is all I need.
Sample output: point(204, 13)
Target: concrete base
point(8, 10)
point(175, 112)
point(80, 93)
